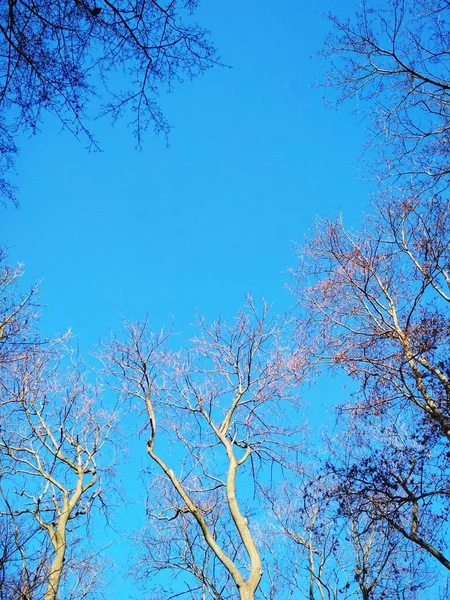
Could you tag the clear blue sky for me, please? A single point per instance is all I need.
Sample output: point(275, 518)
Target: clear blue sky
point(254, 155)
point(188, 230)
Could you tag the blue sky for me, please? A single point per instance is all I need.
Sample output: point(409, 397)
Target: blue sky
point(188, 230)
point(254, 155)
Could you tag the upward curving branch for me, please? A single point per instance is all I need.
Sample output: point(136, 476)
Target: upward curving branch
point(221, 404)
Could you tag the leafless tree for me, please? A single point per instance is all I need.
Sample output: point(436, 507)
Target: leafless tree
point(376, 305)
point(397, 476)
point(394, 57)
point(217, 417)
point(333, 552)
point(21, 572)
point(304, 525)
point(18, 314)
point(57, 58)
point(52, 429)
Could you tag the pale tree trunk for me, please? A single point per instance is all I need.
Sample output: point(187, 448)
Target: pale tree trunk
point(56, 569)
point(245, 593)
point(58, 535)
point(242, 366)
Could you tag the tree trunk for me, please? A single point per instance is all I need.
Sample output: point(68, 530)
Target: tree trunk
point(246, 594)
point(56, 569)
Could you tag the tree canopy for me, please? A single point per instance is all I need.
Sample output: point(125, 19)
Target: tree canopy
point(78, 60)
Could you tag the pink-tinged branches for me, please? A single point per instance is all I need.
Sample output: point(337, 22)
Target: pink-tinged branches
point(53, 430)
point(217, 416)
point(376, 304)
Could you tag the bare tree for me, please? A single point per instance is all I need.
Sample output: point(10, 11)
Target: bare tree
point(217, 417)
point(304, 524)
point(395, 475)
point(394, 56)
point(58, 57)
point(21, 572)
point(334, 552)
point(18, 314)
point(52, 430)
point(376, 305)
